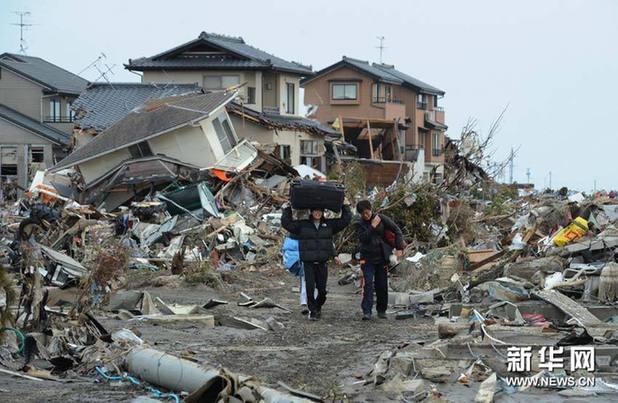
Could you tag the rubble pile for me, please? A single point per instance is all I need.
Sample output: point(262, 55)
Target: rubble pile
point(489, 268)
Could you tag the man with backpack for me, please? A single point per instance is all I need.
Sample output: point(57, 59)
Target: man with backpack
point(378, 236)
point(316, 246)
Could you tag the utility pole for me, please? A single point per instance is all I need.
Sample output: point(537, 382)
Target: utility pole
point(550, 180)
point(22, 27)
point(595, 186)
point(381, 47)
point(528, 174)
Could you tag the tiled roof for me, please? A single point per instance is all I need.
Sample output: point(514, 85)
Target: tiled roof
point(45, 73)
point(152, 119)
point(288, 122)
point(381, 72)
point(240, 56)
point(101, 105)
point(38, 128)
point(390, 69)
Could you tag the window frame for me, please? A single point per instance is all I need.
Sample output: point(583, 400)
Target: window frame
point(290, 106)
point(55, 114)
point(436, 147)
point(315, 148)
point(220, 78)
point(140, 150)
point(225, 133)
point(39, 150)
point(345, 84)
point(284, 152)
point(251, 95)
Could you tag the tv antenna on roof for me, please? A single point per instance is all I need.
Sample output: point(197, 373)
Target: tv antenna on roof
point(104, 71)
point(22, 27)
point(381, 47)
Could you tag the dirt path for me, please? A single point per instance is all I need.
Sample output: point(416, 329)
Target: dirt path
point(325, 357)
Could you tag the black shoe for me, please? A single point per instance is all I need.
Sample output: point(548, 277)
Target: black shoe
point(382, 315)
point(313, 316)
point(304, 310)
point(318, 314)
point(366, 316)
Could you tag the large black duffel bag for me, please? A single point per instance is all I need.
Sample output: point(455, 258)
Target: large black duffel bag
point(306, 194)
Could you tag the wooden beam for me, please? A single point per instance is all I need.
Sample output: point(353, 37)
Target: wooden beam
point(395, 123)
point(370, 142)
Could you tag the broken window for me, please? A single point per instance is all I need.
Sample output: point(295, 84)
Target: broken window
point(313, 162)
point(220, 82)
point(140, 150)
point(345, 91)
point(54, 110)
point(284, 152)
point(251, 95)
point(289, 99)
point(37, 154)
point(225, 133)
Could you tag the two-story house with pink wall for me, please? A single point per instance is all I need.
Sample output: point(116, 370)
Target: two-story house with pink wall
point(354, 88)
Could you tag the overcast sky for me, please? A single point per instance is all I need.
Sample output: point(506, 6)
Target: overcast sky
point(554, 62)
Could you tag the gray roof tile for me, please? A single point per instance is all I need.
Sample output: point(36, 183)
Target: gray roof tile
point(247, 57)
point(146, 122)
point(40, 129)
point(43, 72)
point(101, 105)
point(285, 121)
point(382, 72)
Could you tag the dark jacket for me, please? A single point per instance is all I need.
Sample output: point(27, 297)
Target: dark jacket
point(372, 245)
point(316, 245)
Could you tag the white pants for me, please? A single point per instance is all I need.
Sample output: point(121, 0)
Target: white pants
point(303, 291)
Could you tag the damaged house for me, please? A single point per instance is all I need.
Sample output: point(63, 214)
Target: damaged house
point(35, 115)
point(101, 105)
point(162, 141)
point(268, 87)
point(387, 114)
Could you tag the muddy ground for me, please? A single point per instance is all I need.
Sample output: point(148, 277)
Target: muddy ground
point(327, 357)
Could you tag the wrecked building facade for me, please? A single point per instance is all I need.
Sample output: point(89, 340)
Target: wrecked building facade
point(193, 131)
point(36, 118)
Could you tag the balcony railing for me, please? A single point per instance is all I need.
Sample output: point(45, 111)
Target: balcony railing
point(436, 152)
point(421, 105)
point(438, 108)
point(384, 100)
point(58, 119)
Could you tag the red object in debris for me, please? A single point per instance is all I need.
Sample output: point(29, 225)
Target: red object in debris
point(536, 319)
point(222, 175)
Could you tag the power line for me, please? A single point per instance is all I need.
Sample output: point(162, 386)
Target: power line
point(381, 47)
point(23, 26)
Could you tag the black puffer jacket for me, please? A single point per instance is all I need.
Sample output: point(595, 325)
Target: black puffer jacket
point(372, 245)
point(315, 244)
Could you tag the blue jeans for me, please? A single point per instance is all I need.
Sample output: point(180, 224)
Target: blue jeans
point(375, 278)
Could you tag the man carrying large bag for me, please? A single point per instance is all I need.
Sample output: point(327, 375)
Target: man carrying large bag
point(378, 237)
point(315, 237)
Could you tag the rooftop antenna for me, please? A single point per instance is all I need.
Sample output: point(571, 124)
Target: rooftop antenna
point(381, 47)
point(22, 27)
point(97, 60)
point(528, 174)
point(104, 71)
